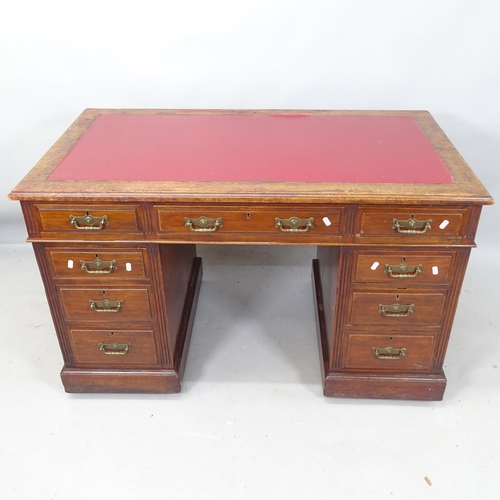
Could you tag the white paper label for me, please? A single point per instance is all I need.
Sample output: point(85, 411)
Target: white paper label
point(327, 221)
point(444, 224)
point(128, 266)
point(435, 270)
point(374, 266)
point(70, 264)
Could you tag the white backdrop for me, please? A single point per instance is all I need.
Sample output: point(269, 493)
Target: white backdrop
point(59, 57)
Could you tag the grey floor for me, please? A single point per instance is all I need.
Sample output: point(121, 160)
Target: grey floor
point(251, 421)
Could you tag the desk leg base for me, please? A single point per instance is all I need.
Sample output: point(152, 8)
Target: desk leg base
point(338, 384)
point(163, 381)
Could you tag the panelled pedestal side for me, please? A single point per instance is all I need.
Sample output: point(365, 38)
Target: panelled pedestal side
point(385, 312)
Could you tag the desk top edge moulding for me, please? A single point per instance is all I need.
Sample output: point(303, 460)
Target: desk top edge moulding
point(116, 208)
point(322, 135)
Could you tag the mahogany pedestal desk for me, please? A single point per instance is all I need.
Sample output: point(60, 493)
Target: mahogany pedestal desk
point(116, 208)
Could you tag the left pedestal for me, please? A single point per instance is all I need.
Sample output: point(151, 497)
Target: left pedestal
point(123, 314)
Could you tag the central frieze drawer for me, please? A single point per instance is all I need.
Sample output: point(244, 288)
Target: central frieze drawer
point(397, 310)
point(106, 305)
point(98, 263)
point(408, 353)
point(113, 347)
point(290, 220)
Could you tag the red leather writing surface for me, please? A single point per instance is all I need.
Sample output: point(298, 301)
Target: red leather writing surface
point(254, 148)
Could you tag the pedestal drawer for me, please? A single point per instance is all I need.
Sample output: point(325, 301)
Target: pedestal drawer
point(397, 310)
point(106, 305)
point(113, 347)
point(408, 353)
point(97, 263)
point(404, 268)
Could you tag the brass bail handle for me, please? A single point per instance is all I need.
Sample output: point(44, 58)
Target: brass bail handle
point(396, 310)
point(89, 222)
point(99, 266)
point(115, 349)
point(412, 225)
point(203, 224)
point(388, 352)
point(106, 306)
point(403, 270)
point(294, 224)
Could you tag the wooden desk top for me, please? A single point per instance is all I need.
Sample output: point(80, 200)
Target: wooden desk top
point(254, 156)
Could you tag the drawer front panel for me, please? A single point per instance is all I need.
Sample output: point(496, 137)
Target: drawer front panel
point(90, 304)
point(113, 347)
point(98, 263)
point(406, 353)
point(89, 221)
point(292, 221)
point(409, 225)
point(414, 309)
point(403, 268)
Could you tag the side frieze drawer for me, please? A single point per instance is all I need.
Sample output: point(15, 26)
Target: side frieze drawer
point(89, 221)
point(411, 225)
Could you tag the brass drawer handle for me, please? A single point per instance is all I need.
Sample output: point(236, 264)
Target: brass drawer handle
point(388, 352)
point(204, 224)
point(395, 310)
point(115, 349)
point(107, 306)
point(89, 222)
point(412, 225)
point(403, 270)
point(294, 224)
point(99, 266)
